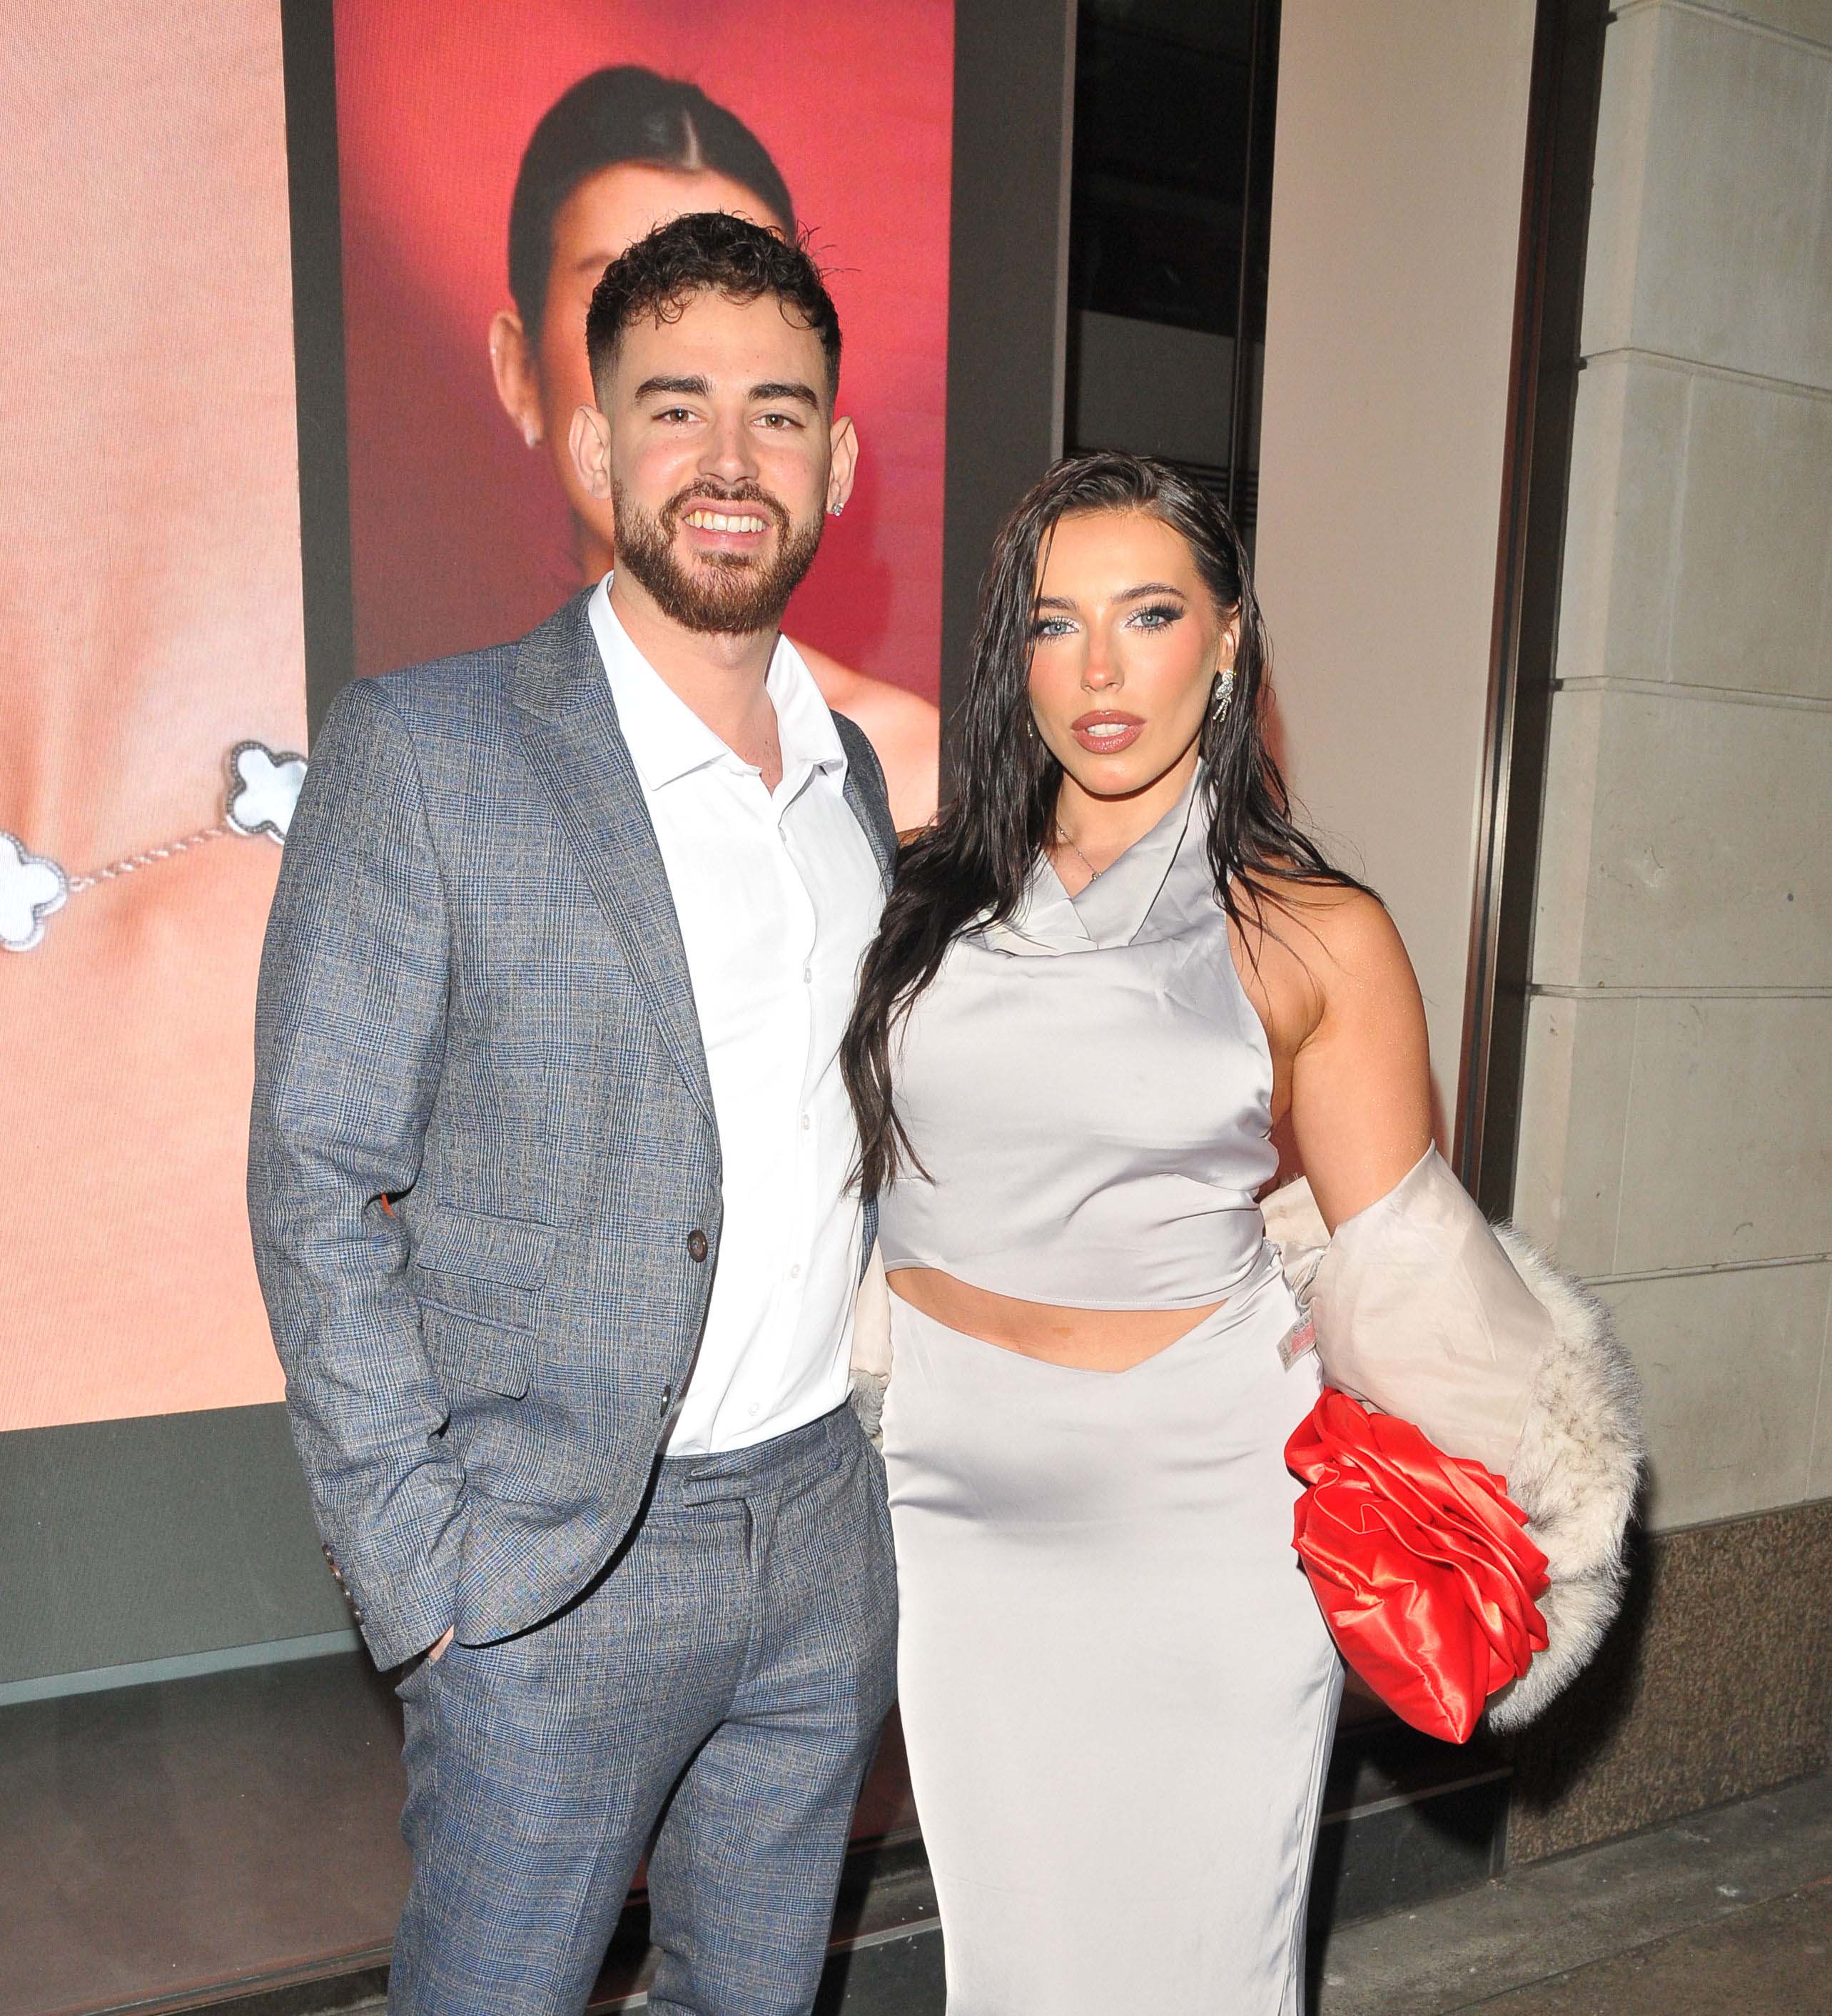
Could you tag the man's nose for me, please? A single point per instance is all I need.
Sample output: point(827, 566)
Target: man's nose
point(727, 451)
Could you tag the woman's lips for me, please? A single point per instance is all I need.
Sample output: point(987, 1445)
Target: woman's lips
point(1105, 733)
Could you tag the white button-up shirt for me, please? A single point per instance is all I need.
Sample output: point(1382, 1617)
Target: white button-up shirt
point(778, 894)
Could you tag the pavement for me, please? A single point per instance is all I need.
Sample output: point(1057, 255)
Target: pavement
point(1725, 1913)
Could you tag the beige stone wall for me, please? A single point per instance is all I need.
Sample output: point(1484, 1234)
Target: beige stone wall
point(1677, 1123)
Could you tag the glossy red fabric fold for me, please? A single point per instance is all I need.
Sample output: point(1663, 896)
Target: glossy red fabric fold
point(1427, 1581)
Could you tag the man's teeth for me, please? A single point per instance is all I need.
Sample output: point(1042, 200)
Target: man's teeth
point(722, 521)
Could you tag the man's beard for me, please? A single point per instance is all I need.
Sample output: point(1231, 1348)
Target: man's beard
point(729, 595)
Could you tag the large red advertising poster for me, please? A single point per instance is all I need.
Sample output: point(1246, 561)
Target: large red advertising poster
point(152, 609)
point(461, 532)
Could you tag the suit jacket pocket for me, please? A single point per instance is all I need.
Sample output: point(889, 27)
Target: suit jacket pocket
point(492, 1269)
point(467, 1353)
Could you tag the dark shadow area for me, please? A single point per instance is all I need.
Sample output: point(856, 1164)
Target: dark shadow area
point(1715, 1683)
point(1406, 1820)
point(1563, 1746)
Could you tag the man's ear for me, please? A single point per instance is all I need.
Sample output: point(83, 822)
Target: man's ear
point(518, 380)
point(589, 439)
point(843, 447)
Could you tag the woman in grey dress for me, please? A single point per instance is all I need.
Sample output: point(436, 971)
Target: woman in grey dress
point(1106, 972)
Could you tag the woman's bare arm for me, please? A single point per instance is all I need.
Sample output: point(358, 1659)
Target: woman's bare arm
point(1347, 1026)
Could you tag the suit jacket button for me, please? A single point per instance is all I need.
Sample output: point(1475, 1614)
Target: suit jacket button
point(696, 1243)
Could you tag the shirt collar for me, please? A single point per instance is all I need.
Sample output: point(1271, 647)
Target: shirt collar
point(668, 740)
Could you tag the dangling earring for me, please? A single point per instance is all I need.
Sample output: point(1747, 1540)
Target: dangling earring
point(1224, 696)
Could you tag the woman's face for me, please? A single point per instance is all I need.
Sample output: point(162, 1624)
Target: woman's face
point(1126, 642)
point(542, 385)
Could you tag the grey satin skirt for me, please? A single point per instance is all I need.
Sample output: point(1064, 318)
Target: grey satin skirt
point(1117, 1691)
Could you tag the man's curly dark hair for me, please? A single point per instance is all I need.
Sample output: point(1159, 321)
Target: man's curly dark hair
point(704, 252)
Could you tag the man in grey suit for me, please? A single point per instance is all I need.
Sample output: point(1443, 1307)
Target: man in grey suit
point(549, 1185)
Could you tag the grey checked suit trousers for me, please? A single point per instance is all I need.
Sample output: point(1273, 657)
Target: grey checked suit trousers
point(484, 1191)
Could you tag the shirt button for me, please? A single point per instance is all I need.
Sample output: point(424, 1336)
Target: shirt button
point(754, 1410)
point(697, 1244)
point(807, 975)
point(806, 1123)
point(795, 1272)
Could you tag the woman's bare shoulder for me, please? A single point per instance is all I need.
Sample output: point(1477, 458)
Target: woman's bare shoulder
point(1319, 944)
point(1352, 928)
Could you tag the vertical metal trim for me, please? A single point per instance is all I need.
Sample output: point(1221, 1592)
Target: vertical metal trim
point(308, 51)
point(1059, 380)
point(1555, 218)
point(1009, 355)
point(1256, 45)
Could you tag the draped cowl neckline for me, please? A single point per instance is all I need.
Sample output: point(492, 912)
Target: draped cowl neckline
point(1116, 907)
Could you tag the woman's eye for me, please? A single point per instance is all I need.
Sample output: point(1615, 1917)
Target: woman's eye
point(1160, 616)
point(1051, 626)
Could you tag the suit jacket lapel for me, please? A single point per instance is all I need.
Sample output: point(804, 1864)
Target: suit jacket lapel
point(569, 727)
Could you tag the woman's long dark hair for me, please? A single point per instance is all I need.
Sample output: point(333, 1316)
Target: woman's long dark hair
point(973, 864)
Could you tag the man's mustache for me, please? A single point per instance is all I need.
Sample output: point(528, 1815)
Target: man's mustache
point(703, 493)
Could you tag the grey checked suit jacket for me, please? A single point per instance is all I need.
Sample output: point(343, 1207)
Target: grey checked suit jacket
point(475, 1003)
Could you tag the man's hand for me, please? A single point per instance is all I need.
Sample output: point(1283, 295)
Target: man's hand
point(436, 1651)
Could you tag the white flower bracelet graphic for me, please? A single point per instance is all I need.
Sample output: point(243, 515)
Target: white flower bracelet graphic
point(263, 787)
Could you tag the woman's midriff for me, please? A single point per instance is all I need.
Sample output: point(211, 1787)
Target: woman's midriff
point(1090, 1340)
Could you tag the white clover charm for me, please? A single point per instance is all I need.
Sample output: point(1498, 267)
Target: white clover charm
point(264, 788)
point(30, 888)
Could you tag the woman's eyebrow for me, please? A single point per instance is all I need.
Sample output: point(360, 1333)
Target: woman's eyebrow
point(1149, 587)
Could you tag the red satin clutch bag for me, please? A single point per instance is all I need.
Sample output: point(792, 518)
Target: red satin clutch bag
point(1428, 1584)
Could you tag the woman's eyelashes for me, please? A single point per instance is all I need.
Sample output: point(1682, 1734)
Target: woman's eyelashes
point(1154, 616)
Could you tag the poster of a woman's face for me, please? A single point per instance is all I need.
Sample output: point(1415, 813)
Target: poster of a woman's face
point(493, 159)
point(493, 156)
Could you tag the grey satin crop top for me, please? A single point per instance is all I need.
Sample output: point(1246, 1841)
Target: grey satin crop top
point(1090, 1091)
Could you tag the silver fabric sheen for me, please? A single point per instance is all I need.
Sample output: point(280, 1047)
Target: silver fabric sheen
point(1089, 1090)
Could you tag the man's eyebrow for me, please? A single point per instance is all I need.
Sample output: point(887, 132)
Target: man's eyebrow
point(693, 388)
point(786, 389)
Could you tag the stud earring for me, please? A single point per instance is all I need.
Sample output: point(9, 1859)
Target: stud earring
point(530, 433)
point(833, 510)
